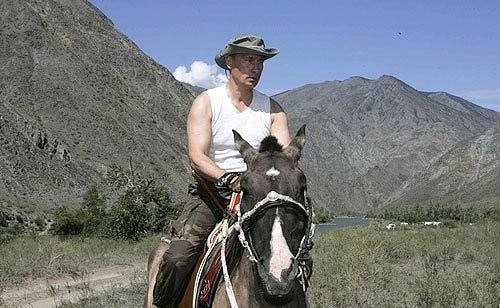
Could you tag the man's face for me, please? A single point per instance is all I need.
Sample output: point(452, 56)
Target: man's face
point(246, 68)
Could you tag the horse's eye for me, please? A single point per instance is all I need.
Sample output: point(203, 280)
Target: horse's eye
point(298, 228)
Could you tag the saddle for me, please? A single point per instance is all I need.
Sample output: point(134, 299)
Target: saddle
point(210, 271)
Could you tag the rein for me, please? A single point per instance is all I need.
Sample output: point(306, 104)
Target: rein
point(204, 184)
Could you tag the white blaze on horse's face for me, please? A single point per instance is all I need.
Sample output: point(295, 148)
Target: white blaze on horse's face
point(273, 172)
point(281, 256)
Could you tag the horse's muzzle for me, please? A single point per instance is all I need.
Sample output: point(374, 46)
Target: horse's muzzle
point(278, 291)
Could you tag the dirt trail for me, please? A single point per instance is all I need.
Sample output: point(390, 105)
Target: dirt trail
point(48, 293)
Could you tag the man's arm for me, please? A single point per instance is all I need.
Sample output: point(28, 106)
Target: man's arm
point(199, 133)
point(279, 124)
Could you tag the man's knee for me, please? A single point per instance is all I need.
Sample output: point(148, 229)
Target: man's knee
point(180, 251)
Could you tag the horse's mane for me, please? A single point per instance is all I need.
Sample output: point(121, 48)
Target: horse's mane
point(270, 144)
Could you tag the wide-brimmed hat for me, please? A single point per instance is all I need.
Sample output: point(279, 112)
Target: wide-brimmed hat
point(245, 43)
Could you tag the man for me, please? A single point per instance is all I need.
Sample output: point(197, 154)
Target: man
point(215, 161)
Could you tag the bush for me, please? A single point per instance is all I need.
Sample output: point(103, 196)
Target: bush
point(93, 212)
point(141, 211)
point(162, 211)
point(5, 237)
point(449, 223)
point(67, 222)
point(322, 215)
point(142, 208)
point(434, 211)
point(129, 217)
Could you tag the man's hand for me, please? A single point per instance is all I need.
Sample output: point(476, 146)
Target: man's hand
point(230, 180)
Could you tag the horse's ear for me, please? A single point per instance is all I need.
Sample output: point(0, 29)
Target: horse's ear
point(246, 150)
point(294, 149)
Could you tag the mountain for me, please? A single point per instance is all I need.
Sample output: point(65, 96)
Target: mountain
point(461, 104)
point(468, 172)
point(368, 138)
point(77, 96)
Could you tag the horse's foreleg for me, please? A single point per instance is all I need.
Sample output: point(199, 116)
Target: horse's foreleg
point(154, 260)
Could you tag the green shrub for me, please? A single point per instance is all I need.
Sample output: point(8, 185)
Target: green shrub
point(322, 215)
point(434, 211)
point(141, 208)
point(129, 217)
point(141, 211)
point(93, 212)
point(163, 211)
point(449, 223)
point(67, 222)
point(5, 237)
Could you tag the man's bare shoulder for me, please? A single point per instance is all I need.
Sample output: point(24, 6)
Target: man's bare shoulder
point(202, 101)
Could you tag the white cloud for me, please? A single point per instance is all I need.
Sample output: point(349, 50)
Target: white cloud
point(201, 75)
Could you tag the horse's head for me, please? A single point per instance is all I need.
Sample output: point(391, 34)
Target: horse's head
point(275, 218)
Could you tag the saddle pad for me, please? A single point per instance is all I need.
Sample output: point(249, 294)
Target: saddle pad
point(211, 270)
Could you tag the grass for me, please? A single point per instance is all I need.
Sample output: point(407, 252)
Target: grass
point(373, 267)
point(30, 257)
point(357, 267)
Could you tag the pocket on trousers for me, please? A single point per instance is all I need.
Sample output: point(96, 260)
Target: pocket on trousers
point(179, 226)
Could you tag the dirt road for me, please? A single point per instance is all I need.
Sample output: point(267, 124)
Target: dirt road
point(47, 292)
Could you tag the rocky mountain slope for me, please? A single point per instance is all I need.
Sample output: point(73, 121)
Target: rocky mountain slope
point(468, 172)
point(368, 138)
point(77, 96)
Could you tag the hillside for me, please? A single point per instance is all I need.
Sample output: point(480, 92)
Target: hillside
point(77, 96)
point(468, 172)
point(368, 138)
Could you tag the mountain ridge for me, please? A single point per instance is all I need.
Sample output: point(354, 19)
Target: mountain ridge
point(375, 134)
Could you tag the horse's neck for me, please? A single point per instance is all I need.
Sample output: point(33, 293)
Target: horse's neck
point(243, 283)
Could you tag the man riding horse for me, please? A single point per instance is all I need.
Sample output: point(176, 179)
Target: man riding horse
point(215, 161)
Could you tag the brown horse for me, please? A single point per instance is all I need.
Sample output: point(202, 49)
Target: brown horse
point(274, 227)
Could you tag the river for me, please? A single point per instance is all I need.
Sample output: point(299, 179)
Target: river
point(341, 222)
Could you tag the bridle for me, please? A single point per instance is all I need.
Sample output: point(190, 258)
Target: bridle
point(272, 200)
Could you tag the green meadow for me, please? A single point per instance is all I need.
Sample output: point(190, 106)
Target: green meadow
point(367, 266)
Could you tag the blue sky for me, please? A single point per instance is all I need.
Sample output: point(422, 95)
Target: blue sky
point(445, 45)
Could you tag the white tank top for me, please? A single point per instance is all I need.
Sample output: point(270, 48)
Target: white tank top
point(253, 124)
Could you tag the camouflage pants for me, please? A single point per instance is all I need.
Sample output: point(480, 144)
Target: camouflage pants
point(189, 234)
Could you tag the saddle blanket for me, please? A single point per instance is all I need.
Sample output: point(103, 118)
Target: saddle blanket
point(210, 271)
